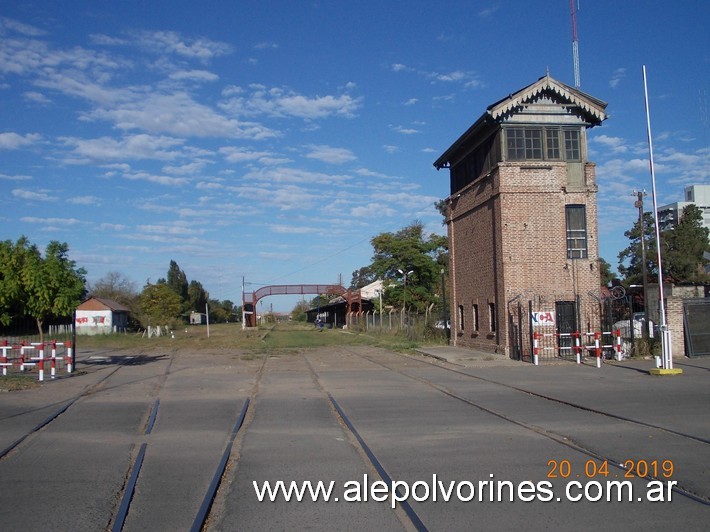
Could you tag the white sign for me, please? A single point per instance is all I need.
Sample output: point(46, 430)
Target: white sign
point(543, 319)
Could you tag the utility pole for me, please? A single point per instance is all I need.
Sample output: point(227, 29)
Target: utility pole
point(639, 205)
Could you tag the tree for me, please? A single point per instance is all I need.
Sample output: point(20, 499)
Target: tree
point(407, 250)
point(630, 258)
point(159, 305)
point(197, 298)
point(116, 287)
point(38, 286)
point(683, 248)
point(12, 290)
point(605, 275)
point(177, 280)
point(299, 311)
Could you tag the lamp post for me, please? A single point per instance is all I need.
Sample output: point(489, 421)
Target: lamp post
point(404, 292)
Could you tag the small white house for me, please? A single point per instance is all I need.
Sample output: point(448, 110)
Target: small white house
point(198, 318)
point(101, 316)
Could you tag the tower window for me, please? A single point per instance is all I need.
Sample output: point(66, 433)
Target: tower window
point(576, 222)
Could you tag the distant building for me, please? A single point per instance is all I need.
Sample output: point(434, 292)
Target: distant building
point(334, 313)
point(522, 218)
point(101, 316)
point(198, 318)
point(698, 195)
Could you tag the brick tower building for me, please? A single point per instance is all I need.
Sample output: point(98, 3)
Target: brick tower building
point(522, 219)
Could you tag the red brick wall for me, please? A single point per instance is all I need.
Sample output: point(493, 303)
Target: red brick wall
point(507, 238)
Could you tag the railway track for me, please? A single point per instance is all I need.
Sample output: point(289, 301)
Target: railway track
point(246, 420)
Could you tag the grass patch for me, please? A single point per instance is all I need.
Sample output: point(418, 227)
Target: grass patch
point(14, 383)
point(280, 338)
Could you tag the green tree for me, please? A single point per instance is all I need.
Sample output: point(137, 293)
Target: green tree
point(299, 311)
point(197, 297)
point(159, 305)
point(217, 312)
point(177, 281)
point(631, 258)
point(605, 274)
point(39, 286)
point(683, 248)
point(12, 290)
point(407, 250)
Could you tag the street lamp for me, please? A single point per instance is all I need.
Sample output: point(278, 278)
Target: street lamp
point(404, 292)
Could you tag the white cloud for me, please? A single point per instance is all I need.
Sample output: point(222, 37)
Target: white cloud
point(191, 168)
point(330, 154)
point(15, 177)
point(113, 227)
point(405, 131)
point(172, 42)
point(292, 229)
point(84, 200)
point(36, 97)
point(234, 154)
point(193, 75)
point(294, 175)
point(50, 221)
point(14, 141)
point(615, 144)
point(279, 102)
point(180, 228)
point(33, 195)
point(468, 79)
point(178, 114)
point(157, 179)
point(285, 198)
point(372, 210)
point(8, 25)
point(616, 77)
point(130, 147)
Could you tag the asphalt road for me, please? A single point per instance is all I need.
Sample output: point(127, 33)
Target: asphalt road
point(351, 417)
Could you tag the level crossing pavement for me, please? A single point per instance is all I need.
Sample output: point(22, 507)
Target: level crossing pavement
point(489, 419)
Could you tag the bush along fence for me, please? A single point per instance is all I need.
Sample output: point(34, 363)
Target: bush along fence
point(417, 326)
point(25, 357)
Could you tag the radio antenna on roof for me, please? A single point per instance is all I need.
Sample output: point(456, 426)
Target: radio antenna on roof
point(575, 44)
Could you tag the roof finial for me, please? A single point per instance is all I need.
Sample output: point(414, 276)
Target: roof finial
point(547, 73)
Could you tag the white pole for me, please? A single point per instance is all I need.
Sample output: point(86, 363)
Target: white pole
point(207, 312)
point(244, 325)
point(665, 333)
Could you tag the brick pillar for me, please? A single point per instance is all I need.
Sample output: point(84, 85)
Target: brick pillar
point(674, 313)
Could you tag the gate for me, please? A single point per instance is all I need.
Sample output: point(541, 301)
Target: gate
point(566, 324)
point(696, 319)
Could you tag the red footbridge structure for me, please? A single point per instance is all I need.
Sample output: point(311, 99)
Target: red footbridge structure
point(353, 298)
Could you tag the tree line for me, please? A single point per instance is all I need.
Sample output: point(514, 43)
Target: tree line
point(412, 265)
point(168, 301)
point(48, 285)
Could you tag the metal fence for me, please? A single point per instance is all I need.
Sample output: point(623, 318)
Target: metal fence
point(696, 319)
point(416, 326)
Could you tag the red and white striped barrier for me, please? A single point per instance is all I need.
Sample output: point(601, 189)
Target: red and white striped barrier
point(39, 360)
point(3, 361)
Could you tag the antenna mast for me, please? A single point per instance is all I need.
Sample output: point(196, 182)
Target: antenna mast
point(575, 44)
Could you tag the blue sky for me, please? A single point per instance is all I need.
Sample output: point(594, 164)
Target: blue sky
point(272, 140)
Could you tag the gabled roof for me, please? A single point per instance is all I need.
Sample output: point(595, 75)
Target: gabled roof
point(592, 109)
point(95, 303)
